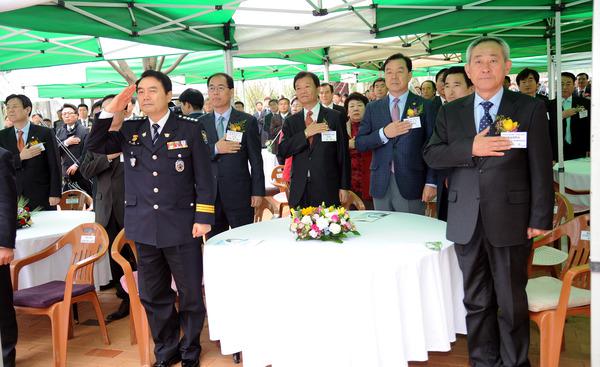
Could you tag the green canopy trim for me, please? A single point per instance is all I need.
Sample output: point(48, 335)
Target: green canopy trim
point(22, 49)
point(185, 24)
point(83, 90)
point(251, 73)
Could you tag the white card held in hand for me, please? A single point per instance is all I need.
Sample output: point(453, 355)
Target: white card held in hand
point(415, 122)
point(583, 114)
point(234, 136)
point(517, 138)
point(328, 136)
point(121, 158)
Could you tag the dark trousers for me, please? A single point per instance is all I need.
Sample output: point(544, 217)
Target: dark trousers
point(112, 229)
point(155, 267)
point(310, 197)
point(497, 312)
point(8, 321)
point(232, 218)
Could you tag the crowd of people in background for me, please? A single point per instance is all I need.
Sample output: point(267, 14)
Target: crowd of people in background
point(329, 142)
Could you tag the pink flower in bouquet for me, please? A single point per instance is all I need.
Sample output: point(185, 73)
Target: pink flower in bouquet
point(335, 218)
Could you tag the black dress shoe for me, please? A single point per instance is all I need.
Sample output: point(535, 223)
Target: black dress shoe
point(190, 363)
point(173, 360)
point(122, 312)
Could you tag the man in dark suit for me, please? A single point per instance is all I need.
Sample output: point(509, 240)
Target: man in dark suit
point(72, 136)
point(233, 142)
point(499, 199)
point(584, 88)
point(271, 118)
point(317, 138)
point(107, 170)
point(8, 216)
point(575, 121)
point(37, 166)
point(192, 102)
point(83, 113)
point(326, 99)
point(528, 81)
point(400, 179)
point(168, 208)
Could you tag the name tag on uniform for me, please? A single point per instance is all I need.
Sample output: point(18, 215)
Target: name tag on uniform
point(234, 136)
point(415, 122)
point(518, 138)
point(583, 114)
point(176, 144)
point(328, 136)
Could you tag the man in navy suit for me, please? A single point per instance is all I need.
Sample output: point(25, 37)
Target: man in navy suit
point(8, 226)
point(400, 179)
point(238, 190)
point(499, 198)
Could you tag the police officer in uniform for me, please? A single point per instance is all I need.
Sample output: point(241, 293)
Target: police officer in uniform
point(169, 200)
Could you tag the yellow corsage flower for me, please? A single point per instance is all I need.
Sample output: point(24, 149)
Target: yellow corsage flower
point(506, 124)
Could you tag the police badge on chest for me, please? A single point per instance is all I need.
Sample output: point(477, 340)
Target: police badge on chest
point(179, 164)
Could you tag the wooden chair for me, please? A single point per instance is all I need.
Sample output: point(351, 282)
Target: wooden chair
point(89, 242)
point(260, 211)
point(355, 201)
point(547, 258)
point(577, 209)
point(76, 200)
point(141, 329)
point(552, 300)
point(281, 199)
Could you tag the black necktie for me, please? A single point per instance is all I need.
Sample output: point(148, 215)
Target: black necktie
point(155, 135)
point(486, 120)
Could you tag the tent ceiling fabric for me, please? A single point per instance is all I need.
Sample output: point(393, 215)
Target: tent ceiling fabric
point(22, 48)
point(187, 24)
point(83, 90)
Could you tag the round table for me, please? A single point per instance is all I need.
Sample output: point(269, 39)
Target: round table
point(49, 226)
point(577, 177)
point(379, 299)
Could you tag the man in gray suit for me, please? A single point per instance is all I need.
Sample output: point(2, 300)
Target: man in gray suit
point(499, 197)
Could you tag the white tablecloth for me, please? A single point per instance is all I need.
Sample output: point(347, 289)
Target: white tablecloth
point(48, 226)
point(577, 177)
point(380, 299)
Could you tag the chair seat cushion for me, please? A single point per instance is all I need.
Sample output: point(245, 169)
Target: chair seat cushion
point(47, 294)
point(548, 256)
point(135, 278)
point(543, 294)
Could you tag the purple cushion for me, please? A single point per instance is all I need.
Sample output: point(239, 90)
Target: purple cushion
point(45, 295)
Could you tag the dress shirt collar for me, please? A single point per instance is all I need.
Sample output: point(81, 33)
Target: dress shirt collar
point(284, 115)
point(161, 122)
point(496, 99)
point(25, 130)
point(315, 110)
point(226, 115)
point(401, 102)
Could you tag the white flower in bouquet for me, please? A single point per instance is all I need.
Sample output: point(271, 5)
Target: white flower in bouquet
point(306, 219)
point(322, 223)
point(313, 233)
point(335, 228)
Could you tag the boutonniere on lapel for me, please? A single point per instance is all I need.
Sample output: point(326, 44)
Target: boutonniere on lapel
point(135, 140)
point(235, 131)
point(414, 110)
point(32, 142)
point(508, 128)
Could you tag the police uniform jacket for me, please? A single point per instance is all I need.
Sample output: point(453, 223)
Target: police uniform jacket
point(168, 185)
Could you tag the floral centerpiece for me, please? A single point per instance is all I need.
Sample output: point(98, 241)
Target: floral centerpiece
point(24, 213)
point(322, 223)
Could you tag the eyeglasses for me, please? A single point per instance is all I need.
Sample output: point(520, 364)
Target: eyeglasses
point(68, 113)
point(220, 88)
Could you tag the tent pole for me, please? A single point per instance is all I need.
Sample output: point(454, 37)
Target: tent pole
point(551, 94)
point(228, 63)
point(326, 71)
point(595, 189)
point(557, 72)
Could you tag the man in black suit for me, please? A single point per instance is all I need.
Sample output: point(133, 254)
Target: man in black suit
point(72, 136)
point(584, 88)
point(168, 208)
point(575, 121)
point(317, 138)
point(192, 102)
point(8, 216)
point(500, 197)
point(35, 155)
point(326, 99)
point(233, 142)
point(83, 113)
point(271, 118)
point(108, 172)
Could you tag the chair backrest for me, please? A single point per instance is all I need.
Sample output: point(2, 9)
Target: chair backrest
point(76, 200)
point(577, 231)
point(260, 210)
point(277, 178)
point(355, 201)
point(117, 246)
point(88, 241)
point(563, 210)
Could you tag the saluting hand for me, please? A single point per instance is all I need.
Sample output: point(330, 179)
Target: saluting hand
point(227, 147)
point(199, 229)
point(489, 146)
point(28, 153)
point(118, 105)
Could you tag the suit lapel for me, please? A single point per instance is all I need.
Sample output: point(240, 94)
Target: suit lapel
point(12, 140)
point(145, 135)
point(506, 109)
point(468, 116)
point(167, 131)
point(33, 133)
point(409, 100)
point(210, 128)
